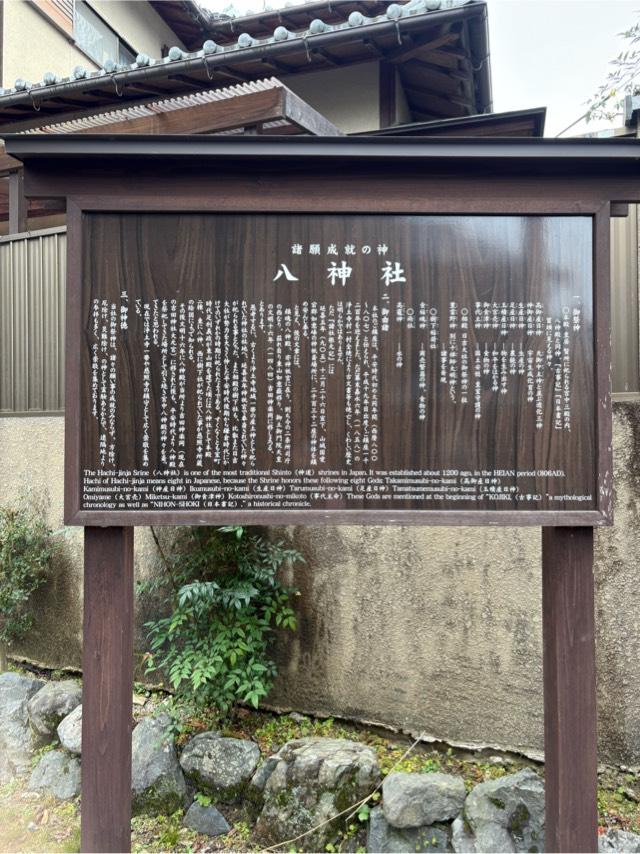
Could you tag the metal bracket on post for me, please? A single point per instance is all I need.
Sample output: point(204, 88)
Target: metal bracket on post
point(570, 714)
point(107, 668)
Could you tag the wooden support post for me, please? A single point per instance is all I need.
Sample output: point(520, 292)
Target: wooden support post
point(569, 690)
point(387, 94)
point(17, 203)
point(107, 661)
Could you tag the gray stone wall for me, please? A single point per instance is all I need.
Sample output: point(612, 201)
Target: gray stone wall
point(434, 631)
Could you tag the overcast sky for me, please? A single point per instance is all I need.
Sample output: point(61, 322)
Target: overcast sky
point(544, 53)
point(554, 54)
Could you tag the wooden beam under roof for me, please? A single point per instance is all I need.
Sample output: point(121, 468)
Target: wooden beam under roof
point(32, 208)
point(443, 58)
point(429, 104)
point(432, 77)
point(8, 164)
point(413, 47)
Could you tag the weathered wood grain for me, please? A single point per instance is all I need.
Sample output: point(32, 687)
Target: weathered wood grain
point(107, 667)
point(230, 256)
point(569, 690)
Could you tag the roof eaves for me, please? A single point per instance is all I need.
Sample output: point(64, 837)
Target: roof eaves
point(537, 115)
point(186, 18)
point(411, 16)
point(113, 146)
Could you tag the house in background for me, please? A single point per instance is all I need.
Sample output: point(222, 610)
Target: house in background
point(326, 67)
point(364, 64)
point(40, 36)
point(418, 68)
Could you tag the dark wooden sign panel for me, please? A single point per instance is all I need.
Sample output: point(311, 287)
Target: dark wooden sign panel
point(298, 364)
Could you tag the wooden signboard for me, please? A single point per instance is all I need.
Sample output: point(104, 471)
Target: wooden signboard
point(337, 330)
point(333, 367)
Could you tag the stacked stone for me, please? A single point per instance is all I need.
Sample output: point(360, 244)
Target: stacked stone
point(302, 795)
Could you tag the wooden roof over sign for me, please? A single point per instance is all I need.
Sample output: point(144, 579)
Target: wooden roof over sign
point(613, 156)
point(439, 46)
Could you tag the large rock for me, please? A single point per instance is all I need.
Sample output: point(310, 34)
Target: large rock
point(259, 779)
point(619, 840)
point(56, 774)
point(70, 731)
point(462, 840)
point(222, 766)
point(157, 781)
point(52, 703)
point(382, 838)
point(507, 814)
point(206, 820)
point(414, 800)
point(17, 739)
point(313, 780)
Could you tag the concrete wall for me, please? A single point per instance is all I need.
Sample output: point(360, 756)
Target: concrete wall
point(33, 45)
point(429, 630)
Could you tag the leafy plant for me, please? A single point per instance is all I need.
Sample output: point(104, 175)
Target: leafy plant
point(25, 556)
point(364, 813)
point(622, 79)
point(225, 602)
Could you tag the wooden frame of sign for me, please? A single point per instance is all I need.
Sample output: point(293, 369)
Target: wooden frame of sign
point(114, 188)
point(576, 451)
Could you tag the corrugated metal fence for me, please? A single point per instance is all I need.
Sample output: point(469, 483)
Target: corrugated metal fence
point(32, 280)
point(625, 310)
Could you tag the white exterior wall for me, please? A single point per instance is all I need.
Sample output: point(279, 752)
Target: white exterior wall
point(138, 24)
point(403, 114)
point(33, 44)
point(332, 94)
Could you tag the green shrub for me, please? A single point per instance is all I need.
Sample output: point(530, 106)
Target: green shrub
point(225, 602)
point(25, 557)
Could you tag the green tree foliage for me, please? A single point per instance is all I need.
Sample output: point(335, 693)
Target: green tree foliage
point(25, 557)
point(623, 79)
point(224, 601)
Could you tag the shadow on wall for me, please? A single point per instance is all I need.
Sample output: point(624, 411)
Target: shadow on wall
point(428, 630)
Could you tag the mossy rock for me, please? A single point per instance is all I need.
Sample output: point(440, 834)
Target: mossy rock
point(51, 704)
point(311, 782)
point(222, 767)
point(156, 800)
point(507, 814)
point(157, 781)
